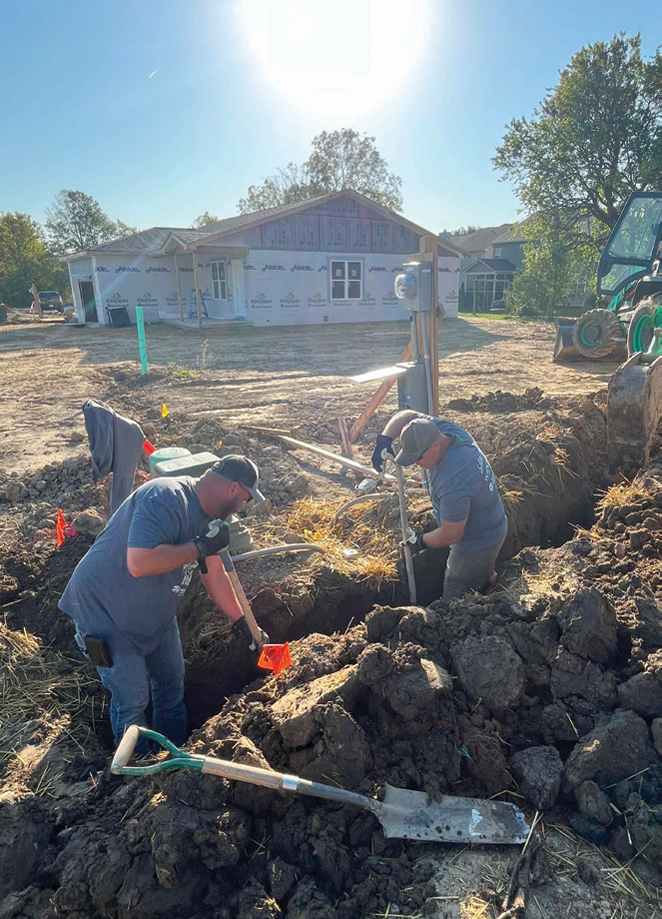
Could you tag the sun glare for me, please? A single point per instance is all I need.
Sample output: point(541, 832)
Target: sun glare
point(336, 60)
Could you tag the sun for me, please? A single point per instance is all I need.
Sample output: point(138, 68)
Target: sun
point(337, 60)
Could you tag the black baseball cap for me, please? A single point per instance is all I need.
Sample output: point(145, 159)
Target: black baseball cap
point(242, 470)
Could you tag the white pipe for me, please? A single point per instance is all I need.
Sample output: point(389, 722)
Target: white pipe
point(368, 497)
point(273, 550)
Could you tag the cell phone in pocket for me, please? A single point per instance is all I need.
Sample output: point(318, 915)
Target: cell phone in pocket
point(98, 652)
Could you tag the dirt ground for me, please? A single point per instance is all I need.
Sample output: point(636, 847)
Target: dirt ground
point(547, 693)
point(243, 376)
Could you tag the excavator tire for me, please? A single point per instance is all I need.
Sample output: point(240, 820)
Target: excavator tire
point(640, 330)
point(596, 333)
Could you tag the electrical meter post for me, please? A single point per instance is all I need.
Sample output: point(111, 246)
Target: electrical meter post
point(415, 288)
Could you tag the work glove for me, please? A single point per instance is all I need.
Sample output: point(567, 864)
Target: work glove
point(214, 538)
point(383, 445)
point(241, 628)
point(414, 541)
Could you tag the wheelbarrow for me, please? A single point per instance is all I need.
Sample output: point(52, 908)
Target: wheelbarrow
point(403, 814)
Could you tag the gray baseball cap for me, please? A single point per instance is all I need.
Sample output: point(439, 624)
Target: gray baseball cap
point(415, 439)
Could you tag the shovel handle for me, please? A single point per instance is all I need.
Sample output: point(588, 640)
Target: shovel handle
point(239, 772)
point(228, 564)
point(126, 747)
point(282, 782)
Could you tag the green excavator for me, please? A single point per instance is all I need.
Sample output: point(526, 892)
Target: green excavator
point(629, 273)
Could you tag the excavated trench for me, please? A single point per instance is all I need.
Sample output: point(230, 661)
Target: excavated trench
point(567, 649)
point(550, 486)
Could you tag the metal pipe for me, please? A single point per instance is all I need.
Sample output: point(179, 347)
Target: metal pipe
point(273, 550)
point(426, 359)
point(367, 497)
point(409, 564)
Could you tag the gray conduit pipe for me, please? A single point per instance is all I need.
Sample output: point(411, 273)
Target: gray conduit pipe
point(273, 550)
point(369, 497)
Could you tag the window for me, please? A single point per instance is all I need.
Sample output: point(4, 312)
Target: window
point(497, 253)
point(346, 280)
point(219, 281)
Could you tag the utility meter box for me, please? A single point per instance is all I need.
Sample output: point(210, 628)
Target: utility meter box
point(415, 286)
point(412, 388)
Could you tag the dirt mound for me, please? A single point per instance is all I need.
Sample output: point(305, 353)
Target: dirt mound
point(549, 690)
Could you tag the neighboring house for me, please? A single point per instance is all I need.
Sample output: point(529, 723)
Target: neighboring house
point(328, 259)
point(486, 282)
point(496, 254)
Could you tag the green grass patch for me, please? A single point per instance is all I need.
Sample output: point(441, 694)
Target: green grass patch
point(175, 372)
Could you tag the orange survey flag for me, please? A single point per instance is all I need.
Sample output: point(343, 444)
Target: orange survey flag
point(60, 528)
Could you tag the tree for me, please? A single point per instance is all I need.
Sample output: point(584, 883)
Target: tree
point(122, 229)
point(461, 231)
point(596, 137)
point(203, 219)
point(340, 159)
point(289, 185)
point(76, 222)
point(557, 253)
point(347, 159)
point(24, 260)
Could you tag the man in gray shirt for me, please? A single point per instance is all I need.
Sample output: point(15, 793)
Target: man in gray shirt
point(124, 594)
point(470, 516)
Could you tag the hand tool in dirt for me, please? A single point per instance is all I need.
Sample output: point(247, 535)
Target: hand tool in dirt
point(272, 657)
point(403, 814)
point(404, 526)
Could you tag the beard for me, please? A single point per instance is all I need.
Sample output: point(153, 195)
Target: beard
point(227, 508)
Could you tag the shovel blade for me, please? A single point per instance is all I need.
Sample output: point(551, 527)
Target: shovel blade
point(275, 657)
point(411, 815)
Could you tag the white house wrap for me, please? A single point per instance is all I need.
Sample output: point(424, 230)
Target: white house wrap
point(329, 259)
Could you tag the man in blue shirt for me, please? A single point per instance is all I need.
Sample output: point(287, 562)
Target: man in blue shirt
point(470, 516)
point(124, 594)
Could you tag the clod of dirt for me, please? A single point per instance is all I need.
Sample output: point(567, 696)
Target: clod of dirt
point(593, 803)
point(490, 669)
point(588, 623)
point(295, 713)
point(613, 751)
point(539, 771)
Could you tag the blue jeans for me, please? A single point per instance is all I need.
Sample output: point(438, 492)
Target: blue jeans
point(130, 680)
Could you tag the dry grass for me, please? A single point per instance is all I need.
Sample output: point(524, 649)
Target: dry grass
point(619, 878)
point(39, 697)
point(623, 493)
point(554, 435)
point(377, 548)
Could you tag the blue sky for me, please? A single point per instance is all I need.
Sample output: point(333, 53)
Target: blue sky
point(162, 109)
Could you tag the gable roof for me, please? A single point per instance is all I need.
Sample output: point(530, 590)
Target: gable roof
point(491, 264)
point(479, 240)
point(158, 240)
point(514, 233)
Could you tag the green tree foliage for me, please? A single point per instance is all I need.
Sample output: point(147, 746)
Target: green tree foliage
point(340, 159)
point(596, 137)
point(24, 260)
point(462, 231)
point(289, 185)
point(123, 229)
point(76, 222)
point(557, 253)
point(203, 219)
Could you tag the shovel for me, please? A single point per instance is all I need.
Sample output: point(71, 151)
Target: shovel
point(272, 657)
point(403, 814)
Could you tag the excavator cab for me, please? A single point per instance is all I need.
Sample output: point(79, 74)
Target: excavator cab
point(629, 273)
